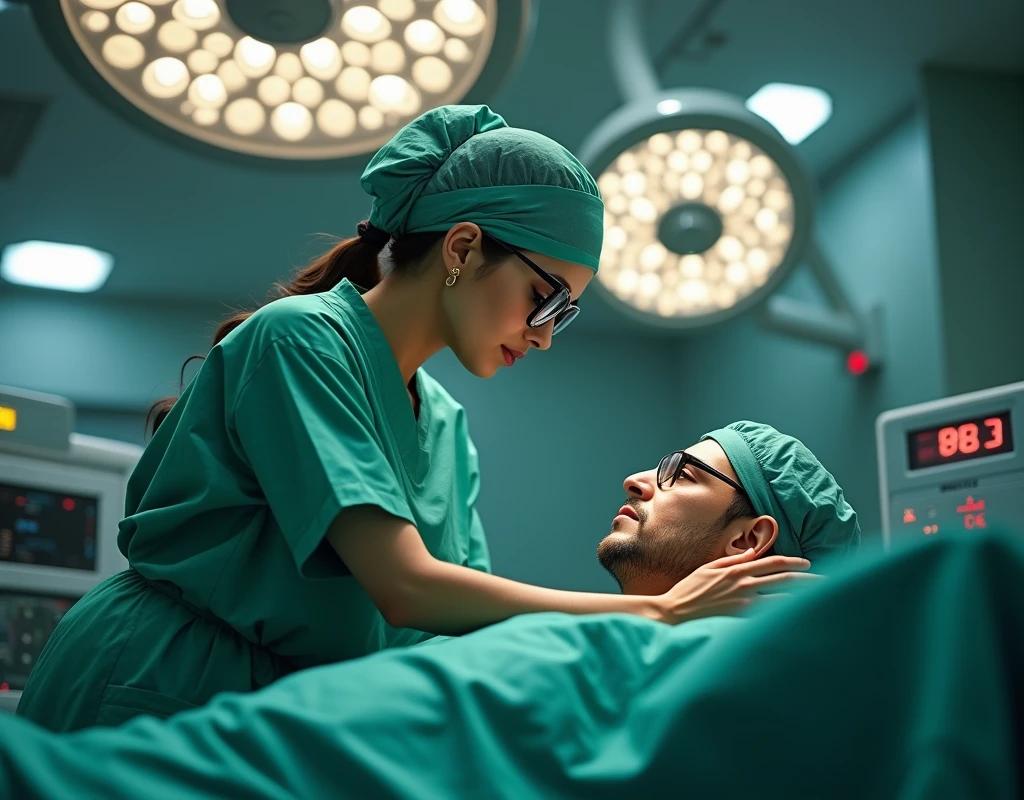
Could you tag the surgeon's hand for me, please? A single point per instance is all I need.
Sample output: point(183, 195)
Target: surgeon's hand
point(729, 585)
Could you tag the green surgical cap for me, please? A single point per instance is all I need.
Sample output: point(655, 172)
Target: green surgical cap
point(465, 164)
point(785, 481)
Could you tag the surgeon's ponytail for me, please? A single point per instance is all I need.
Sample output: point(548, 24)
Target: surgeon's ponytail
point(355, 259)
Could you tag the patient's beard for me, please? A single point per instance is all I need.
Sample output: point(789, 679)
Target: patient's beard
point(651, 562)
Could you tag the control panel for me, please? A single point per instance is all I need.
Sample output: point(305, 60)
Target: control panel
point(952, 464)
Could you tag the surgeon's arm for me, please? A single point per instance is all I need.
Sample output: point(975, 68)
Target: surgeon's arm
point(412, 589)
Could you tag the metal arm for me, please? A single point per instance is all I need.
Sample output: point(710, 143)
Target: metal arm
point(631, 63)
point(841, 326)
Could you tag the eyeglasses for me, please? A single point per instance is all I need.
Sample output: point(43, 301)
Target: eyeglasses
point(557, 306)
point(671, 467)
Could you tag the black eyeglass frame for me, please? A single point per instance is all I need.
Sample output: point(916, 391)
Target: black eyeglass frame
point(560, 296)
point(685, 459)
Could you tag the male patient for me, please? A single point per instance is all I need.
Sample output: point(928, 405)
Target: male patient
point(744, 486)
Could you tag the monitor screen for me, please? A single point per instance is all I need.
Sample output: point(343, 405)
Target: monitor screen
point(47, 528)
point(961, 440)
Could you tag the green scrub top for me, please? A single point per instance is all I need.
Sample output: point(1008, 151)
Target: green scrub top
point(297, 414)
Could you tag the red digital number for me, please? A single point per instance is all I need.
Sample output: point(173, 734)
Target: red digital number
point(969, 438)
point(947, 442)
point(995, 426)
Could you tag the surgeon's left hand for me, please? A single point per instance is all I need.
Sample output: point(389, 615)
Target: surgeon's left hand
point(729, 585)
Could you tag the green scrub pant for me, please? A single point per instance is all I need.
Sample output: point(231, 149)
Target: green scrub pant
point(130, 647)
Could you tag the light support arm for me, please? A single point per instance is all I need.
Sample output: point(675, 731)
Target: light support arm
point(827, 279)
point(842, 326)
point(634, 72)
point(649, 110)
point(793, 317)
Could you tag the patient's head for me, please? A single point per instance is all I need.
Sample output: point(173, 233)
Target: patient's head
point(740, 487)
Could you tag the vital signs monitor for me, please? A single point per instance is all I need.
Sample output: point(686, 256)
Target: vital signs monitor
point(955, 463)
point(61, 499)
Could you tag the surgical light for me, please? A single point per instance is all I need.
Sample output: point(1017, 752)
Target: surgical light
point(302, 80)
point(795, 111)
point(708, 207)
point(52, 265)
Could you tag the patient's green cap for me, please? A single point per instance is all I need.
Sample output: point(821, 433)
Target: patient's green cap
point(786, 481)
point(465, 164)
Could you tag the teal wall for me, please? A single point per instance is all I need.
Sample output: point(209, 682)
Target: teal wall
point(107, 354)
point(559, 432)
point(976, 126)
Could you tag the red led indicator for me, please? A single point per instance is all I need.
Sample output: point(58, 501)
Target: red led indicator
point(68, 504)
point(909, 516)
point(974, 513)
point(857, 362)
point(5, 687)
point(971, 506)
point(20, 501)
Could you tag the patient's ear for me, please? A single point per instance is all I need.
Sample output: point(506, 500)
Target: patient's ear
point(758, 533)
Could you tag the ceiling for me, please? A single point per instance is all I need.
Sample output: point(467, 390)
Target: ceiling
point(185, 226)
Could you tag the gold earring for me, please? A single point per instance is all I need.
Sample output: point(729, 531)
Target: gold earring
point(450, 280)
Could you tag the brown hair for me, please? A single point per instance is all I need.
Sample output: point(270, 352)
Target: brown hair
point(356, 259)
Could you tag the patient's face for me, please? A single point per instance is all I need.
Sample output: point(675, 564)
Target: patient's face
point(676, 530)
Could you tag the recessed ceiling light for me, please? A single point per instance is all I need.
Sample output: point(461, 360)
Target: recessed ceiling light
point(52, 265)
point(795, 111)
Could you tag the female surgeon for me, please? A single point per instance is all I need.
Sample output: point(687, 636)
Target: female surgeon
point(311, 495)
